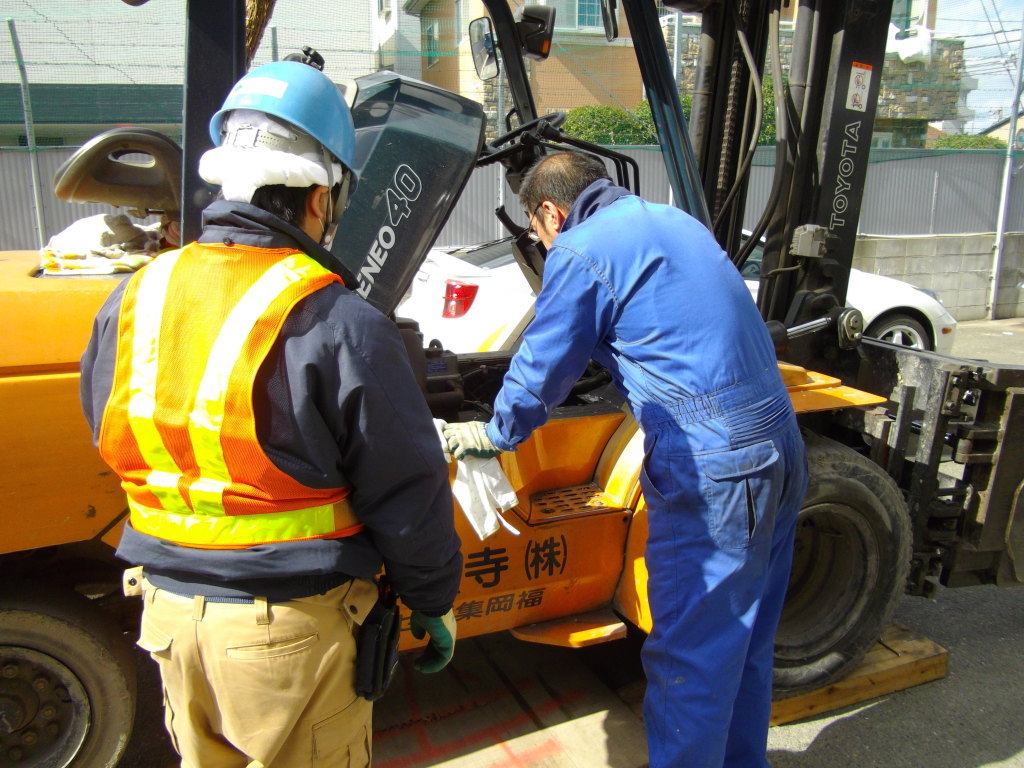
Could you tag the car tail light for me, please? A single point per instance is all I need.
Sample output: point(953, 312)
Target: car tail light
point(458, 298)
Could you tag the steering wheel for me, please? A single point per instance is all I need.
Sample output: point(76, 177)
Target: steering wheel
point(555, 119)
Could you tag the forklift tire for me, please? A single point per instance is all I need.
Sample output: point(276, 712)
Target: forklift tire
point(67, 680)
point(850, 565)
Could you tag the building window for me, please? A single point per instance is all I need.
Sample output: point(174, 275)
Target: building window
point(431, 42)
point(384, 9)
point(589, 13)
point(881, 140)
point(577, 14)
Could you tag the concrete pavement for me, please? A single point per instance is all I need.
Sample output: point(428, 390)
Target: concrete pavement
point(998, 341)
point(969, 719)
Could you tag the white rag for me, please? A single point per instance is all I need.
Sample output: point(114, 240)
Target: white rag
point(482, 491)
point(100, 245)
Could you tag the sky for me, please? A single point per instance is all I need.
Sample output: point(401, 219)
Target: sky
point(991, 30)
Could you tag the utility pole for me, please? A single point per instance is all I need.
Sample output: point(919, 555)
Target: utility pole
point(30, 133)
point(500, 129)
point(1004, 198)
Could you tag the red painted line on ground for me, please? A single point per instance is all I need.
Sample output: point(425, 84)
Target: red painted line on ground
point(549, 748)
point(419, 731)
point(418, 719)
point(428, 753)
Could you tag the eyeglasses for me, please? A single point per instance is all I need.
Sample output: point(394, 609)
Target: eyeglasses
point(532, 234)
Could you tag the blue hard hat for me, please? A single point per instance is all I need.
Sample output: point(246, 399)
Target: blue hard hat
point(298, 94)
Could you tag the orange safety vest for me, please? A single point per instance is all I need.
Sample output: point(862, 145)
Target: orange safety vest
point(179, 428)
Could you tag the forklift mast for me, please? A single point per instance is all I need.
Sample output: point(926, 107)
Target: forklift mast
point(825, 110)
point(824, 121)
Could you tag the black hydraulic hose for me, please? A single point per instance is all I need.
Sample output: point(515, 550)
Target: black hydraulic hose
point(783, 156)
point(784, 138)
point(700, 110)
point(753, 126)
point(803, 140)
point(799, 65)
point(812, 68)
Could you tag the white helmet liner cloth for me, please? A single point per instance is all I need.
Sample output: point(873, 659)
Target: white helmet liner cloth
point(259, 151)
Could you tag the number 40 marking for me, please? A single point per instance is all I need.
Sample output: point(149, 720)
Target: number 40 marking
point(405, 189)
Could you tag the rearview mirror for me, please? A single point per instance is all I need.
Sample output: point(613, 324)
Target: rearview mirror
point(481, 44)
point(536, 24)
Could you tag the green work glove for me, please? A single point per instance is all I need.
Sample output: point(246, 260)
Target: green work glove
point(441, 647)
point(469, 438)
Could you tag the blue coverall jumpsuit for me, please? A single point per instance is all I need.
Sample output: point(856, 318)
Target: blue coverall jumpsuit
point(644, 290)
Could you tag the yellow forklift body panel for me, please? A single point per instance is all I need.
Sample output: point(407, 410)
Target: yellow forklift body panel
point(55, 487)
point(70, 304)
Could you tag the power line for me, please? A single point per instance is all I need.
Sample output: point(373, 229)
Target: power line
point(984, 7)
point(989, 45)
point(960, 36)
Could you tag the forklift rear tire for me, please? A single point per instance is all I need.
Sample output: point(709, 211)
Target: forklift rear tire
point(850, 566)
point(67, 680)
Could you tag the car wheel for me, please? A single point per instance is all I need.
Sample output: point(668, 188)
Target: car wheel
point(850, 567)
point(67, 681)
point(902, 330)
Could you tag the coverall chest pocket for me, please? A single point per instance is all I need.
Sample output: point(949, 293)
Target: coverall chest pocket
point(741, 492)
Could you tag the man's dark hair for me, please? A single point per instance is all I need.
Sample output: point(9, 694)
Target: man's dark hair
point(287, 203)
point(560, 178)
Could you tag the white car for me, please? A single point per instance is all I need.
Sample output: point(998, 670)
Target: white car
point(477, 300)
point(470, 299)
point(894, 311)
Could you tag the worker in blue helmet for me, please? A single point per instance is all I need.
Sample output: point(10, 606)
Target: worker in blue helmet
point(275, 449)
point(286, 124)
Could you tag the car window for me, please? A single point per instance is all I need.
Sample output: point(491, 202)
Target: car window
point(752, 268)
point(487, 256)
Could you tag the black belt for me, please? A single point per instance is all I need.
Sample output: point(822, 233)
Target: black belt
point(278, 590)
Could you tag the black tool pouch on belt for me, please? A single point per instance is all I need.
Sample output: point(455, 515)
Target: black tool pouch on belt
point(377, 652)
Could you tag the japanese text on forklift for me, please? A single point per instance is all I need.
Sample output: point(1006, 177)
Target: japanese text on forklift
point(915, 469)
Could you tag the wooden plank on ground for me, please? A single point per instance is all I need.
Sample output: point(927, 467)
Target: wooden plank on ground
point(901, 659)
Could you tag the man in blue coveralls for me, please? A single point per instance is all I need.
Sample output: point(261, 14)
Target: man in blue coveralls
point(645, 291)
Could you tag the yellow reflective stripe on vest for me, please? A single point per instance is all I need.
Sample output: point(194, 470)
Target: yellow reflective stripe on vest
point(207, 417)
point(149, 303)
point(242, 530)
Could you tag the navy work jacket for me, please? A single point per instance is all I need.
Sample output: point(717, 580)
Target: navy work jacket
point(336, 405)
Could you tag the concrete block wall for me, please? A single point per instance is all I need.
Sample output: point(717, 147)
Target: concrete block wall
point(956, 267)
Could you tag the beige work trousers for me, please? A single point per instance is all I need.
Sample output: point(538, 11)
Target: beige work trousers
point(261, 685)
